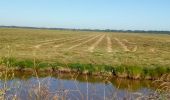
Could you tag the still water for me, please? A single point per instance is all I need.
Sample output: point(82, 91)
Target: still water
point(50, 86)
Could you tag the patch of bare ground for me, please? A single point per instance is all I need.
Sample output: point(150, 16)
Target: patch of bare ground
point(79, 44)
point(125, 48)
point(91, 49)
point(109, 44)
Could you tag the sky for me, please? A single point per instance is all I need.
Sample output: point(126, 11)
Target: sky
point(84, 14)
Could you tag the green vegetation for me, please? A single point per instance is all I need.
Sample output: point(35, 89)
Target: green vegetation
point(124, 71)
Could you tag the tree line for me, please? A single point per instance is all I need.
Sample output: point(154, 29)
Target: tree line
point(95, 30)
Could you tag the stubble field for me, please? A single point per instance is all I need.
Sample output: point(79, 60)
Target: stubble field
point(122, 54)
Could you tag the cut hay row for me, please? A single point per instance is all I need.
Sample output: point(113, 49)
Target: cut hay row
point(77, 40)
point(125, 48)
point(40, 42)
point(45, 43)
point(109, 44)
point(50, 40)
point(91, 49)
point(83, 42)
point(134, 49)
point(58, 45)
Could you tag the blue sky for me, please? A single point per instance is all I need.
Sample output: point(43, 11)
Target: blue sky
point(93, 14)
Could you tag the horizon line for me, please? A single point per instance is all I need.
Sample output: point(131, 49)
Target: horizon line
point(92, 29)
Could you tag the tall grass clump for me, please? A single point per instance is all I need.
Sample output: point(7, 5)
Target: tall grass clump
point(124, 71)
point(163, 88)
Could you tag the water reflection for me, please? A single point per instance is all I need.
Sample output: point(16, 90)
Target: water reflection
point(26, 86)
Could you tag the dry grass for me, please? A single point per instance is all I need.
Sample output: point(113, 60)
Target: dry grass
point(69, 49)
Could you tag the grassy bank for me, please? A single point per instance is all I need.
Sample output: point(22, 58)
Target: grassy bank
point(123, 71)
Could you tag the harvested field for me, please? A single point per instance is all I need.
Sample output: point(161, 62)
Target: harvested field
point(96, 51)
